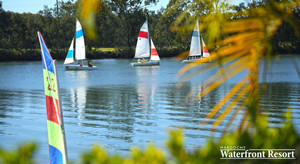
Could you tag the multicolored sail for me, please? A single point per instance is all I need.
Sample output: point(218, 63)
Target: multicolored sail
point(56, 138)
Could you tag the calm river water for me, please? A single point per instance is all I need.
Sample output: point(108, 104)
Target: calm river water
point(119, 106)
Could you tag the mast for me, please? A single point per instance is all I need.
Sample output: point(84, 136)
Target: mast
point(199, 38)
point(148, 36)
point(61, 111)
point(74, 53)
point(201, 45)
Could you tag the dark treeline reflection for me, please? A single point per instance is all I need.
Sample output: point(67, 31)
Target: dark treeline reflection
point(120, 116)
point(126, 111)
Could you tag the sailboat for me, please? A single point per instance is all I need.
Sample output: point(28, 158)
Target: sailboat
point(195, 48)
point(145, 50)
point(80, 55)
point(55, 124)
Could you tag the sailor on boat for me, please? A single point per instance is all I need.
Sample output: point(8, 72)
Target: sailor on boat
point(90, 64)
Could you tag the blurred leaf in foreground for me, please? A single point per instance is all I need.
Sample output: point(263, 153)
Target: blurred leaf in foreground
point(22, 155)
point(88, 11)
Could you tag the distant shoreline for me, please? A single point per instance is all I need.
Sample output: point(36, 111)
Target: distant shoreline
point(95, 53)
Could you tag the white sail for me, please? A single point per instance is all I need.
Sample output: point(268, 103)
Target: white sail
point(70, 56)
point(205, 51)
point(79, 45)
point(154, 54)
point(142, 46)
point(195, 49)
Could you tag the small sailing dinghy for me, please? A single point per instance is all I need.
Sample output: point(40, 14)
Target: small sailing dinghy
point(80, 55)
point(145, 52)
point(195, 49)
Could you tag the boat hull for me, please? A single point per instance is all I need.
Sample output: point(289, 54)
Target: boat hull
point(76, 67)
point(189, 61)
point(147, 63)
point(192, 60)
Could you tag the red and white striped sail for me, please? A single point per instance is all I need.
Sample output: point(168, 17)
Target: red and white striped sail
point(205, 51)
point(154, 54)
point(142, 46)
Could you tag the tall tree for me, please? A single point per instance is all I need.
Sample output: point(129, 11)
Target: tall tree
point(131, 15)
point(4, 37)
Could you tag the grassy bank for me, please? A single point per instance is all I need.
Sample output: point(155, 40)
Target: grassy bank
point(93, 53)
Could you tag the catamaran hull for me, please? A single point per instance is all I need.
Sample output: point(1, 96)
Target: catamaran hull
point(148, 63)
point(76, 67)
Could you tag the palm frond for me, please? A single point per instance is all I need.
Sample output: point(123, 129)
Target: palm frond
point(239, 44)
point(230, 107)
point(225, 99)
point(234, 115)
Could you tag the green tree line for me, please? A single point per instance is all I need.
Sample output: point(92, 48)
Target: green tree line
point(117, 26)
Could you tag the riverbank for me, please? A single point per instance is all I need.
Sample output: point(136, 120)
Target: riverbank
point(93, 53)
point(96, 53)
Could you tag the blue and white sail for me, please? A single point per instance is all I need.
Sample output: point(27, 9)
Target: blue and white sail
point(70, 56)
point(195, 49)
point(79, 46)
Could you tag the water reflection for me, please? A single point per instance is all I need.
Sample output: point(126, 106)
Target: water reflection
point(76, 78)
point(146, 86)
point(276, 98)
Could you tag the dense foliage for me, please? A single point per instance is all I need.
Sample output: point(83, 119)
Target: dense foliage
point(117, 25)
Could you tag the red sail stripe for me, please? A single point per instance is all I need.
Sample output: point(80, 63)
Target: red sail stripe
point(154, 52)
point(51, 112)
point(143, 34)
point(205, 50)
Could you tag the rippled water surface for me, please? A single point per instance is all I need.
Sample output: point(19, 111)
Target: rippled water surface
point(119, 106)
